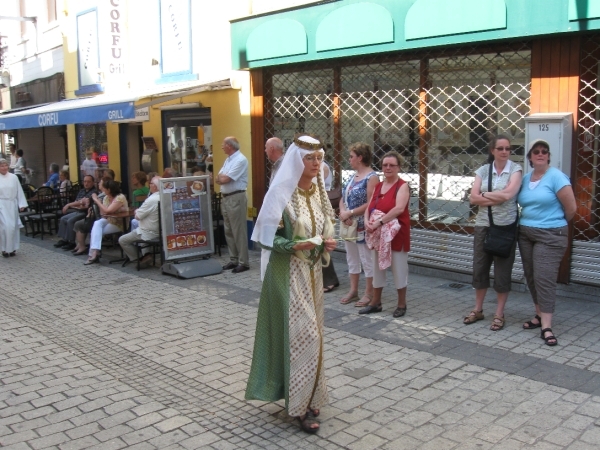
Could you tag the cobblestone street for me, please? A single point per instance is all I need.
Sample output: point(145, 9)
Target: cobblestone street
point(107, 357)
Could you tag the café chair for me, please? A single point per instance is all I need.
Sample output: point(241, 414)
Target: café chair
point(28, 190)
point(154, 244)
point(45, 201)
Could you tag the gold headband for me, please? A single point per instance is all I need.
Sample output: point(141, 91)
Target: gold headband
point(307, 145)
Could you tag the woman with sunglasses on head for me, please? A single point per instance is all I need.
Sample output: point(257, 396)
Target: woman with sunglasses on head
point(387, 220)
point(355, 194)
point(506, 182)
point(547, 205)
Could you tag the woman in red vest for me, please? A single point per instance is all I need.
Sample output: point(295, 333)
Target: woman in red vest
point(387, 219)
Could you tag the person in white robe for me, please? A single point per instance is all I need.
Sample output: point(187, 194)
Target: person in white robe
point(12, 199)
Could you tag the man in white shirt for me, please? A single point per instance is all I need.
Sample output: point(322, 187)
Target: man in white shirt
point(148, 227)
point(233, 179)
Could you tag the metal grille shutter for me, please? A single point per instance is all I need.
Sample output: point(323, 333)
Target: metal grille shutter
point(450, 251)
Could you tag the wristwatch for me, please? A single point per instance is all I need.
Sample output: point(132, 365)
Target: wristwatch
point(483, 194)
point(381, 222)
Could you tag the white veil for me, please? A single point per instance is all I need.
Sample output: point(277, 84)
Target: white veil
point(280, 193)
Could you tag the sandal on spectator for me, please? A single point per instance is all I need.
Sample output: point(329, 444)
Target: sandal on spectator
point(307, 422)
point(550, 340)
point(531, 325)
point(330, 288)
point(497, 323)
point(363, 302)
point(399, 312)
point(350, 297)
point(473, 317)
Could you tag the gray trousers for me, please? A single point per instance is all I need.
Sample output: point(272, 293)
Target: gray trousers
point(126, 242)
point(66, 225)
point(234, 208)
point(542, 250)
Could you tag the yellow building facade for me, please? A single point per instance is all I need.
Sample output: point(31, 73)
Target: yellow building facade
point(177, 76)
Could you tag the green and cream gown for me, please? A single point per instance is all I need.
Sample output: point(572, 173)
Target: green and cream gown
point(288, 347)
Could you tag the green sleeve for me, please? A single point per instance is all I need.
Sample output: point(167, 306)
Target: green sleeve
point(283, 245)
point(283, 241)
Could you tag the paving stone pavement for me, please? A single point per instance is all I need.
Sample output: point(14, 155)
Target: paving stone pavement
point(107, 357)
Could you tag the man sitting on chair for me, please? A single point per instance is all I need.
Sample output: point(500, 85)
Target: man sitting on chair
point(73, 212)
point(148, 227)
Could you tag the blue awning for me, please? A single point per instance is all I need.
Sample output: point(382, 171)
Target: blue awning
point(79, 110)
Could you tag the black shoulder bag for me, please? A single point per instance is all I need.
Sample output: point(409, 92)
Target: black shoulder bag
point(93, 215)
point(499, 239)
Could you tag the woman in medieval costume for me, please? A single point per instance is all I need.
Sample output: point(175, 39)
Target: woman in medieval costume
point(295, 229)
point(11, 199)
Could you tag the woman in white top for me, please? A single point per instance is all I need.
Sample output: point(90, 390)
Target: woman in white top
point(355, 195)
point(506, 181)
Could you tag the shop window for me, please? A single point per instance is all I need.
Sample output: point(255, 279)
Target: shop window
point(187, 139)
point(438, 110)
point(92, 142)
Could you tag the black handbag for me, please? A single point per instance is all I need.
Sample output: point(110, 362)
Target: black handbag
point(88, 221)
point(499, 239)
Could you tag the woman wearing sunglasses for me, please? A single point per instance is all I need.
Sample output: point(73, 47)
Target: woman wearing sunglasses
point(506, 182)
point(547, 204)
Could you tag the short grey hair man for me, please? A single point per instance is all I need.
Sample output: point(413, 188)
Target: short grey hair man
point(274, 151)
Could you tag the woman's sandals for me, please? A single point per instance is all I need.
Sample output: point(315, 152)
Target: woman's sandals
point(550, 340)
point(529, 325)
point(473, 317)
point(308, 422)
point(497, 323)
point(363, 302)
point(348, 298)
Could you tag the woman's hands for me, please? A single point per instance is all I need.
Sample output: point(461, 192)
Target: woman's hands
point(371, 226)
point(330, 245)
point(345, 216)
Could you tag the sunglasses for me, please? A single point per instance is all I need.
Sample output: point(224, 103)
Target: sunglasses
point(506, 149)
point(543, 151)
point(389, 165)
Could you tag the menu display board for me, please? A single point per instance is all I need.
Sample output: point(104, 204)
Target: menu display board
point(186, 215)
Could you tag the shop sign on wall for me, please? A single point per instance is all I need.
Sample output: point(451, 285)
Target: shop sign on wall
point(175, 36)
point(115, 21)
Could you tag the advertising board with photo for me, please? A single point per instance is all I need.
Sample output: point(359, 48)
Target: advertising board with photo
point(186, 215)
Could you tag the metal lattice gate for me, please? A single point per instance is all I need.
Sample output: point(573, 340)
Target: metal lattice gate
point(438, 110)
point(585, 264)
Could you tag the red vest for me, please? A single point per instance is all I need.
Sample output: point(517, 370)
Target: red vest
point(385, 203)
